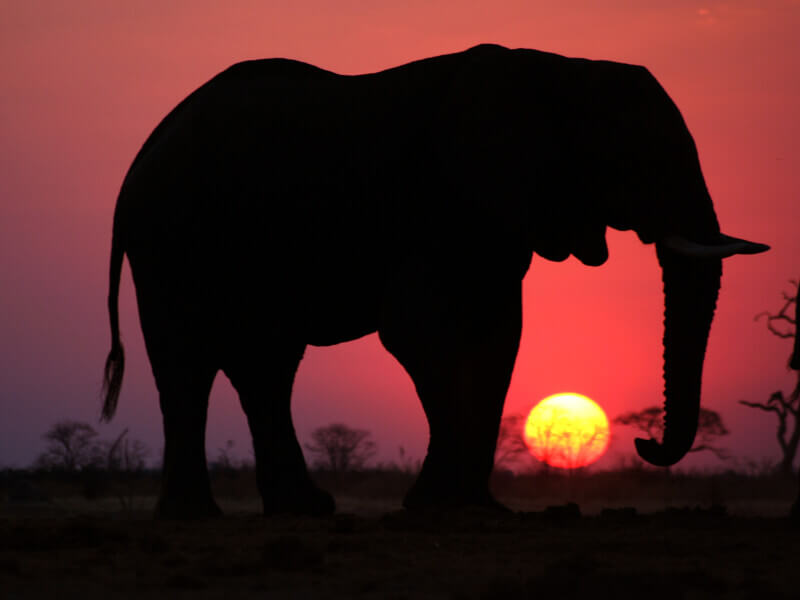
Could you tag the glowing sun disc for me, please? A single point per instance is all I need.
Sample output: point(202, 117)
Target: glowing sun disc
point(567, 431)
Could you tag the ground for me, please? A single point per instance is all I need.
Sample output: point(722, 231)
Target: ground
point(376, 551)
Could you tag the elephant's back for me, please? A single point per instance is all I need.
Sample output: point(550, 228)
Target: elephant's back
point(286, 150)
point(233, 86)
point(263, 176)
point(232, 147)
point(280, 161)
point(276, 105)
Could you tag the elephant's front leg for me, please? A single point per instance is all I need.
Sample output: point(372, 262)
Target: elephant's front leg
point(458, 343)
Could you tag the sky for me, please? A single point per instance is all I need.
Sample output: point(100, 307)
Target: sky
point(85, 82)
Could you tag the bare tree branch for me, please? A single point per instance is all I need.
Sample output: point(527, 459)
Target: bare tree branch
point(782, 316)
point(760, 406)
point(785, 408)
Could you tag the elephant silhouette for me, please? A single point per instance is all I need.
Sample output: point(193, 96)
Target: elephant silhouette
point(281, 205)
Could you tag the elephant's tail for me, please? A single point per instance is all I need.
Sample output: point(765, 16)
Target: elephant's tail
point(115, 363)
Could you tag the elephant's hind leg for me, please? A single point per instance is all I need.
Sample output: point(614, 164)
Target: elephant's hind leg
point(459, 346)
point(265, 389)
point(185, 486)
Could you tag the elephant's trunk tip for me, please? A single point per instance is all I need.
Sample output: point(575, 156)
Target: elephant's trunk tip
point(656, 454)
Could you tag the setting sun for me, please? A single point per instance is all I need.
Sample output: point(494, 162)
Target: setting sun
point(567, 431)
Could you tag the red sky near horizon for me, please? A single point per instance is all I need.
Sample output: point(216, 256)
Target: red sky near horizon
point(85, 83)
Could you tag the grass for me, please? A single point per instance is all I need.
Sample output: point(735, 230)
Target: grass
point(75, 537)
point(381, 490)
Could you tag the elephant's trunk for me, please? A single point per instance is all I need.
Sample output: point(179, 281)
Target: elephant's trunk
point(691, 286)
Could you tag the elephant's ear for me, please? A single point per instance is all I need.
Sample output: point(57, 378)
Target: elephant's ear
point(589, 244)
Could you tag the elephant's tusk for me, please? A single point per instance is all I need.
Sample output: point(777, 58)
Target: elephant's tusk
point(723, 247)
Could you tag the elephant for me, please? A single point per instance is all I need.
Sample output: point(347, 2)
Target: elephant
point(281, 205)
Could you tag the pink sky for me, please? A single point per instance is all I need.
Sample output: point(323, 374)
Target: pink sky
point(84, 83)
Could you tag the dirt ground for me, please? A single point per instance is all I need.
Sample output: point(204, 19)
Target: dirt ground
point(389, 554)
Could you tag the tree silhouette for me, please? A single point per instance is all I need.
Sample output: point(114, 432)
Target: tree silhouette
point(125, 461)
point(650, 421)
point(786, 408)
point(556, 443)
point(549, 438)
point(72, 446)
point(124, 454)
point(340, 448)
point(781, 323)
point(579, 452)
point(224, 462)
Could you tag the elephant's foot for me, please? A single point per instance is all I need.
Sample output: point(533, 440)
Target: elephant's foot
point(794, 514)
point(306, 500)
point(183, 508)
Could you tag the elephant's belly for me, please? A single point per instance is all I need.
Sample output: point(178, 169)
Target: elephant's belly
point(340, 313)
point(330, 334)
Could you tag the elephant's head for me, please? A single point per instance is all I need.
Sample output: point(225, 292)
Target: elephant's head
point(649, 179)
point(590, 144)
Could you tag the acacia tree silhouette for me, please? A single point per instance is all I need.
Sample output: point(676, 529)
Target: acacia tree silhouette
point(72, 446)
point(786, 408)
point(555, 443)
point(650, 421)
point(340, 448)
